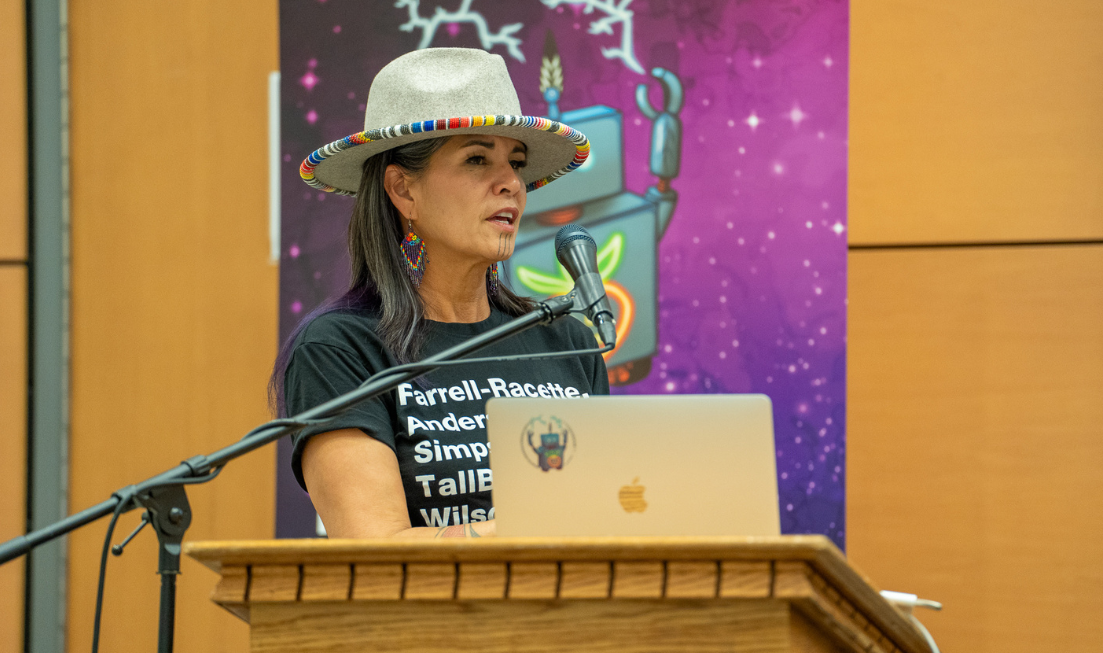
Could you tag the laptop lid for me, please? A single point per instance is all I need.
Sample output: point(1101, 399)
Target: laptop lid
point(634, 465)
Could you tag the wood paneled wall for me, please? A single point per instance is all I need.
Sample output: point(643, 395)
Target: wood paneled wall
point(976, 120)
point(976, 373)
point(173, 298)
point(13, 443)
point(13, 310)
point(975, 441)
point(13, 131)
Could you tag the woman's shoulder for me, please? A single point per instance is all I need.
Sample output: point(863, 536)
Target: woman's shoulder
point(345, 329)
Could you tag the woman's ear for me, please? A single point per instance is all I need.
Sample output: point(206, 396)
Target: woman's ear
point(396, 183)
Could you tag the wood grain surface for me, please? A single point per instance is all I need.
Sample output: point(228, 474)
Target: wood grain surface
point(482, 581)
point(585, 580)
point(975, 442)
point(174, 300)
point(975, 121)
point(13, 310)
point(430, 580)
point(692, 579)
point(524, 626)
point(638, 580)
point(13, 134)
point(326, 582)
point(973, 434)
point(13, 440)
point(378, 582)
point(233, 586)
point(806, 572)
point(533, 580)
point(827, 609)
point(744, 579)
point(268, 583)
point(232, 591)
point(520, 549)
point(805, 637)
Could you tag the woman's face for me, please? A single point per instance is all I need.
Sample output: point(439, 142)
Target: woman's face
point(467, 204)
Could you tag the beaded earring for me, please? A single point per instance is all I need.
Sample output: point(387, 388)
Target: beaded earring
point(413, 250)
point(492, 280)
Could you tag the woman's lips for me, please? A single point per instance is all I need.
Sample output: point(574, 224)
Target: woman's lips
point(505, 219)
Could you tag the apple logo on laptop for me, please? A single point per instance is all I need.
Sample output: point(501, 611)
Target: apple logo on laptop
point(631, 497)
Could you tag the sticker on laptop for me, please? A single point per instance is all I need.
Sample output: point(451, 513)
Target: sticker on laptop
point(548, 443)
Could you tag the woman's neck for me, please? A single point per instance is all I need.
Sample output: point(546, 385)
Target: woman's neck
point(453, 294)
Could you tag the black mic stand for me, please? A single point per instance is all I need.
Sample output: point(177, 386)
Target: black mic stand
point(163, 495)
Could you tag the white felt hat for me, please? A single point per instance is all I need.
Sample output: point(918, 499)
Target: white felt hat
point(442, 92)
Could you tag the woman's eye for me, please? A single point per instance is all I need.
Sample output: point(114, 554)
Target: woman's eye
point(517, 165)
point(478, 159)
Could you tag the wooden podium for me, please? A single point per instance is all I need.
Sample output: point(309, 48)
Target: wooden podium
point(761, 594)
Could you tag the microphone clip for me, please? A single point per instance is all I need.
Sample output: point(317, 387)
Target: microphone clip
point(589, 285)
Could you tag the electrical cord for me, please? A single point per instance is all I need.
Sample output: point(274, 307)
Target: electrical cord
point(926, 634)
point(125, 498)
point(907, 603)
point(210, 476)
point(301, 423)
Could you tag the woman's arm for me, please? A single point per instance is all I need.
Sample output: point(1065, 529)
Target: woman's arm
point(356, 488)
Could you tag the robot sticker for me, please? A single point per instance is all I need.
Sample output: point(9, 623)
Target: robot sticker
point(547, 443)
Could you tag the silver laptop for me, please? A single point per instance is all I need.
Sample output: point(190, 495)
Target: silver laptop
point(634, 465)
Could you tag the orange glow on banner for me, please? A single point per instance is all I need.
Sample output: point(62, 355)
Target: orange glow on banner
point(620, 295)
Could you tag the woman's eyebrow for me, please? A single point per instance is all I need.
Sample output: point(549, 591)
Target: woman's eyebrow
point(487, 144)
point(522, 148)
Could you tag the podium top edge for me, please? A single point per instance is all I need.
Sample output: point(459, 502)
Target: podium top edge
point(809, 548)
point(809, 557)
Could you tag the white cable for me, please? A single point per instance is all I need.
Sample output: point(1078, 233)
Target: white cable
point(908, 602)
point(926, 634)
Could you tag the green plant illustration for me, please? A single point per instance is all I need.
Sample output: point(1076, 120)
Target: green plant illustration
point(609, 257)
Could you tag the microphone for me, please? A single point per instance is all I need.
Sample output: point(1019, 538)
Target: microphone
point(577, 252)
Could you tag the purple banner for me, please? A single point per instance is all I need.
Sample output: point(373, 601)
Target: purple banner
point(716, 192)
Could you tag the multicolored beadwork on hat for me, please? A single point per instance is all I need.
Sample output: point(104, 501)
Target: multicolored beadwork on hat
point(577, 138)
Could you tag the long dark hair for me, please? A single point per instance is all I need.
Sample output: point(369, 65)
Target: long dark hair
point(379, 282)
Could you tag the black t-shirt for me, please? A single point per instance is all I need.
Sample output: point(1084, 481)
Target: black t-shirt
point(436, 429)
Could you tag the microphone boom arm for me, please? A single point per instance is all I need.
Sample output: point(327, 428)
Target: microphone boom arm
point(199, 468)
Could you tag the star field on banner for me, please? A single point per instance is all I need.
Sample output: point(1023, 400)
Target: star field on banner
point(715, 189)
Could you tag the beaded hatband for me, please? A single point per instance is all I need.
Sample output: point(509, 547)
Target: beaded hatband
point(582, 145)
point(413, 251)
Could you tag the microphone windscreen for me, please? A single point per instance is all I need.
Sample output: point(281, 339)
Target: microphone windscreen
point(570, 233)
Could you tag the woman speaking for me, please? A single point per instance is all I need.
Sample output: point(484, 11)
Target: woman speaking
point(440, 174)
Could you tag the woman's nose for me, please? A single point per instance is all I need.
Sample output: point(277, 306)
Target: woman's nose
point(508, 180)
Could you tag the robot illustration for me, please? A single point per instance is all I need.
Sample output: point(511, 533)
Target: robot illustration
point(626, 226)
point(553, 446)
